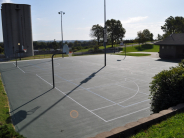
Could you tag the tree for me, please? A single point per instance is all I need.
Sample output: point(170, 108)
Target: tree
point(55, 45)
point(97, 32)
point(115, 30)
point(140, 37)
point(159, 37)
point(143, 36)
point(70, 44)
point(151, 37)
point(146, 35)
point(1, 50)
point(173, 25)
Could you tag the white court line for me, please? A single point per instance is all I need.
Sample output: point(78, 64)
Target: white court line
point(133, 95)
point(19, 68)
point(89, 90)
point(73, 99)
point(137, 103)
point(131, 89)
point(120, 102)
point(103, 107)
point(127, 114)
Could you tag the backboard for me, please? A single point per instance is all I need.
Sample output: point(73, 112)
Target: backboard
point(121, 44)
point(65, 49)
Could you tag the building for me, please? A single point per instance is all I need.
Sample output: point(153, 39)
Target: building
point(172, 46)
point(17, 29)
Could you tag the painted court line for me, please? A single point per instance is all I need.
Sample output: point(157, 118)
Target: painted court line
point(131, 89)
point(120, 102)
point(133, 95)
point(127, 114)
point(19, 68)
point(103, 107)
point(137, 103)
point(91, 91)
point(73, 99)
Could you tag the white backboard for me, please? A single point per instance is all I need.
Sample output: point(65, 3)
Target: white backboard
point(121, 44)
point(65, 49)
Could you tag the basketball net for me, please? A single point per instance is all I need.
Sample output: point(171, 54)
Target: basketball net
point(25, 50)
point(70, 54)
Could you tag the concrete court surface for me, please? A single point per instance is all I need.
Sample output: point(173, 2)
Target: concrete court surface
point(88, 98)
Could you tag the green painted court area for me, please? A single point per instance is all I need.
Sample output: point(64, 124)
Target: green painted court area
point(89, 98)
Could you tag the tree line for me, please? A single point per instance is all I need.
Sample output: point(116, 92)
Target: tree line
point(115, 34)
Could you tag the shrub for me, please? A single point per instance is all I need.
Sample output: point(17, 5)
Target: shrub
point(167, 88)
point(9, 132)
point(96, 48)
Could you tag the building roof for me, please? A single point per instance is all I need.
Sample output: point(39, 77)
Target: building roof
point(173, 39)
point(14, 4)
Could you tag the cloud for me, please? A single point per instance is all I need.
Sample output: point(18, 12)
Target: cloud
point(134, 19)
point(38, 19)
point(6, 1)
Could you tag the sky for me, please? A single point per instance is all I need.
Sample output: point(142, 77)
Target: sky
point(81, 15)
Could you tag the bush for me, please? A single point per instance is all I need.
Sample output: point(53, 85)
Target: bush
point(9, 132)
point(96, 48)
point(167, 88)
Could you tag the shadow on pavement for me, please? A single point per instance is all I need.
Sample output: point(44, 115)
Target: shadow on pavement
point(31, 100)
point(170, 60)
point(21, 115)
point(84, 81)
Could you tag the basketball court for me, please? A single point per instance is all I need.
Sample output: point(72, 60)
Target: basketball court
point(88, 98)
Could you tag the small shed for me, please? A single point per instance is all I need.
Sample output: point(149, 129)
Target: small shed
point(172, 46)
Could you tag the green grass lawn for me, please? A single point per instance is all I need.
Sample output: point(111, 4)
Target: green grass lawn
point(85, 50)
point(142, 48)
point(173, 127)
point(4, 106)
point(134, 54)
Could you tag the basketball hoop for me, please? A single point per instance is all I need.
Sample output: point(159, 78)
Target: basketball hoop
point(70, 54)
point(25, 50)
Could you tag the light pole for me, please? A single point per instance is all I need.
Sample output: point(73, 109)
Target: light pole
point(61, 12)
point(105, 32)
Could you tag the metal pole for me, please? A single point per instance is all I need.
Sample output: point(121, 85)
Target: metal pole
point(114, 47)
point(53, 71)
point(53, 68)
point(16, 60)
point(125, 50)
point(105, 30)
point(62, 32)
